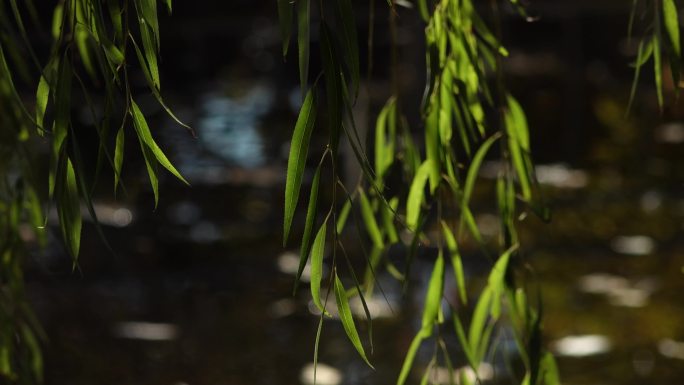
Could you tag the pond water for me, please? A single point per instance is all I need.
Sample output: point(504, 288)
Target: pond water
point(199, 291)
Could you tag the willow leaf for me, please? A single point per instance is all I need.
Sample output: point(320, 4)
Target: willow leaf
point(477, 324)
point(317, 252)
point(347, 320)
point(549, 370)
point(432, 142)
point(410, 357)
point(308, 227)
point(144, 133)
point(388, 213)
point(415, 197)
point(118, 156)
point(149, 48)
point(672, 25)
point(456, 262)
point(433, 296)
point(343, 215)
point(299, 147)
point(518, 144)
point(496, 282)
point(42, 96)
point(658, 61)
point(69, 210)
point(62, 97)
point(460, 333)
point(155, 90)
point(285, 16)
point(474, 168)
point(369, 220)
point(303, 27)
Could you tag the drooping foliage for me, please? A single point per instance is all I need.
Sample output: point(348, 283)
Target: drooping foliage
point(468, 115)
point(94, 47)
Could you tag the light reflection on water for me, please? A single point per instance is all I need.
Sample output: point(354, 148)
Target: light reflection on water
point(229, 125)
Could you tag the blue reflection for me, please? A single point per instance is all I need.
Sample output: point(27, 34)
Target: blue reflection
point(228, 126)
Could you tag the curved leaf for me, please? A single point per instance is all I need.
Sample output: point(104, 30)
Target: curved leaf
point(415, 197)
point(299, 147)
point(317, 253)
point(347, 320)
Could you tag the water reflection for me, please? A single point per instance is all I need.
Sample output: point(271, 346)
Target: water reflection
point(228, 127)
point(322, 373)
point(147, 331)
point(582, 345)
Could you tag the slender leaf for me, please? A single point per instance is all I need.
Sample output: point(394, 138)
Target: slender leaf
point(317, 253)
point(347, 320)
point(118, 156)
point(672, 25)
point(456, 263)
point(144, 133)
point(285, 17)
point(369, 220)
point(69, 210)
point(410, 357)
point(299, 147)
point(415, 197)
point(303, 18)
point(433, 297)
point(308, 227)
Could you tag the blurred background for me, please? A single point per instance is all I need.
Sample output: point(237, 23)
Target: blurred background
point(198, 291)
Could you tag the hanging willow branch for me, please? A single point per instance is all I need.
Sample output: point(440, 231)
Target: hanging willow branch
point(100, 41)
point(464, 121)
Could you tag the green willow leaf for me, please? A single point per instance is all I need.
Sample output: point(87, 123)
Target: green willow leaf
point(369, 220)
point(518, 145)
point(432, 142)
point(410, 357)
point(456, 262)
point(433, 296)
point(118, 157)
point(347, 320)
point(143, 131)
point(474, 169)
point(549, 370)
point(299, 147)
point(416, 193)
point(317, 253)
point(460, 333)
point(658, 60)
point(672, 25)
point(388, 213)
point(153, 87)
point(42, 96)
point(285, 17)
point(60, 130)
point(343, 215)
point(643, 54)
point(476, 333)
point(308, 227)
point(496, 281)
point(69, 210)
point(303, 27)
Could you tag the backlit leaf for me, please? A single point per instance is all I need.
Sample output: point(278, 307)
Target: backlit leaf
point(433, 297)
point(299, 147)
point(415, 197)
point(369, 220)
point(317, 253)
point(308, 227)
point(456, 263)
point(347, 320)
